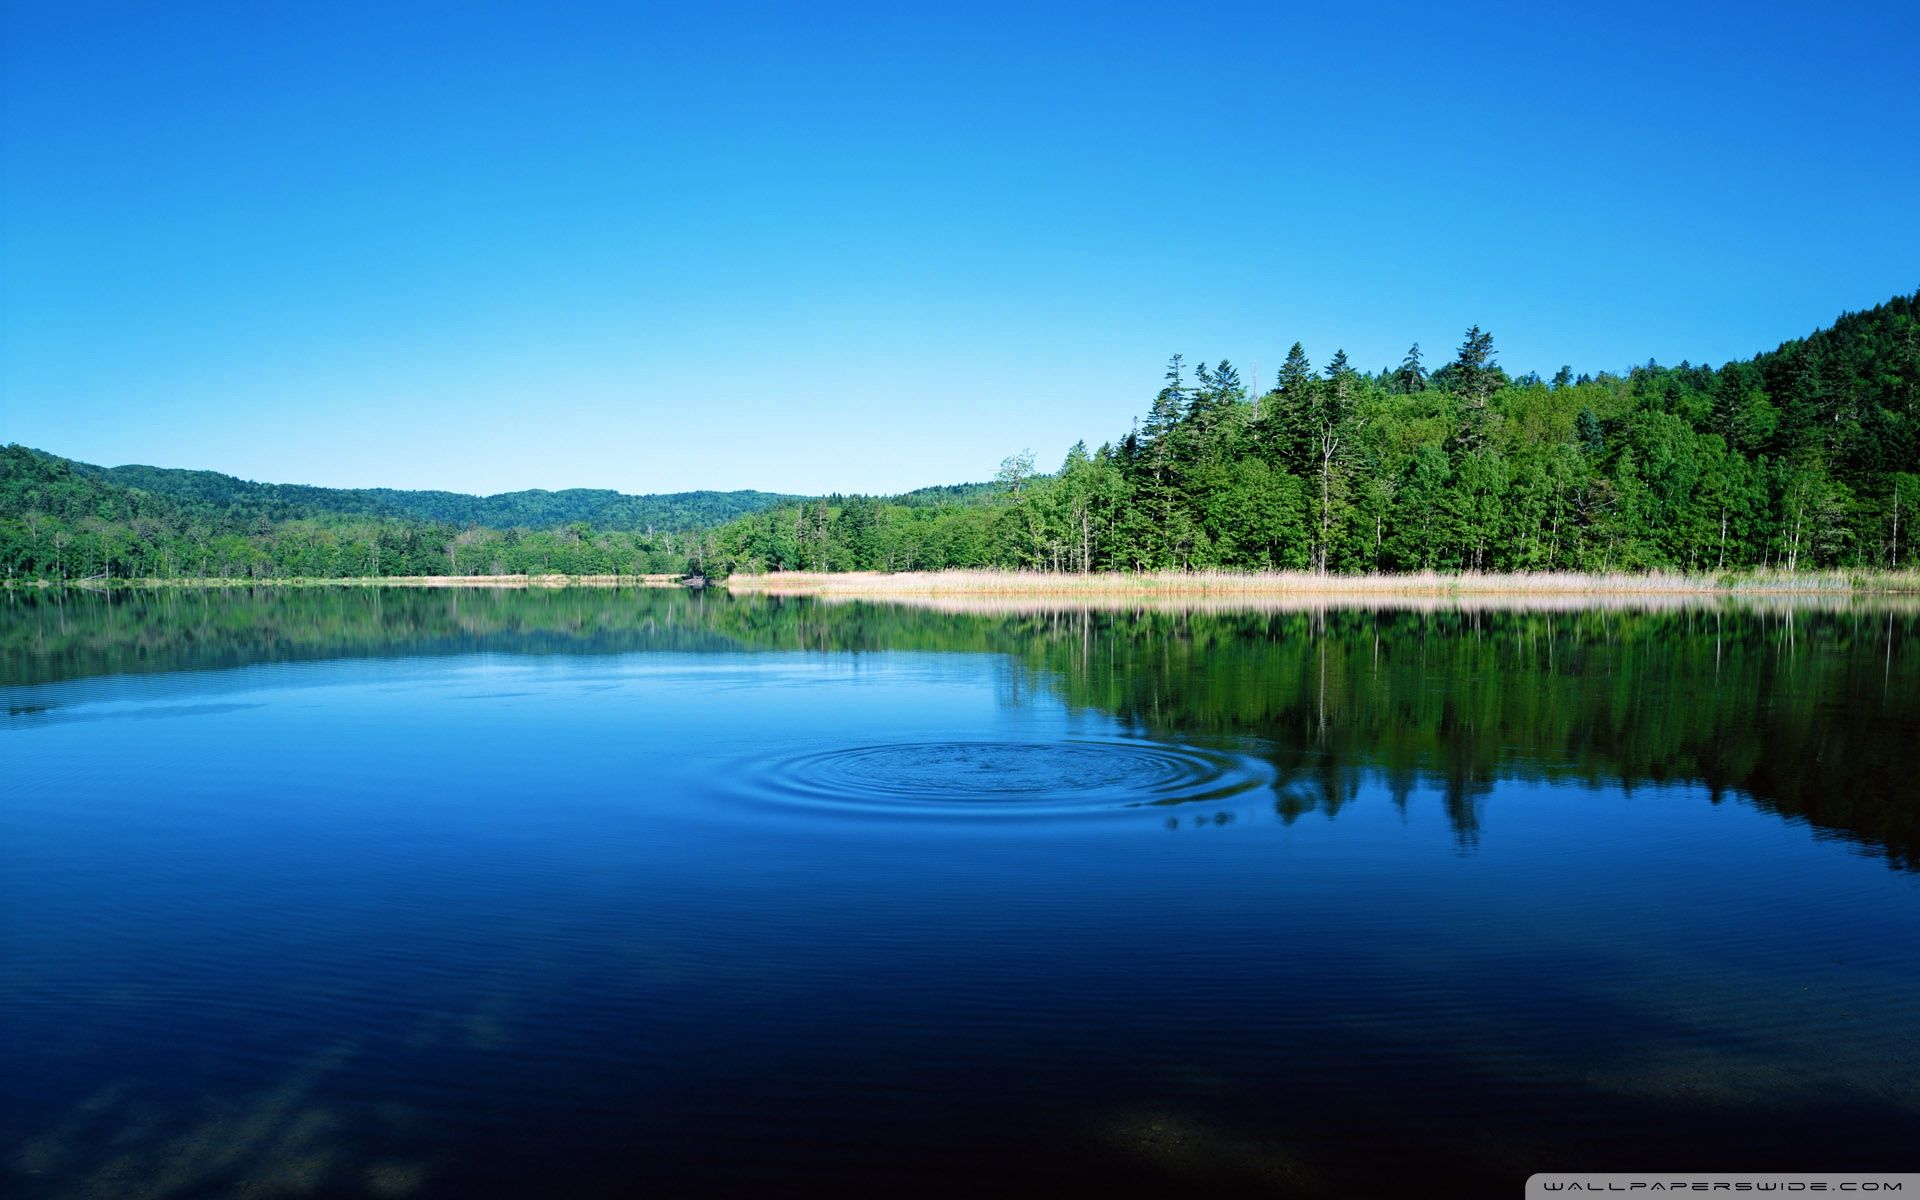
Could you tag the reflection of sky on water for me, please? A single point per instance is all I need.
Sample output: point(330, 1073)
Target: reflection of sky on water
point(493, 923)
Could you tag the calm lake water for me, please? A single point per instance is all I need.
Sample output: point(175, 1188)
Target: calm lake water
point(577, 893)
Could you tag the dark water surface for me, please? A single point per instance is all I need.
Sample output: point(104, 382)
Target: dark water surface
point(468, 894)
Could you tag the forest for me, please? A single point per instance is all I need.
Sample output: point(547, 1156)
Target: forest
point(599, 508)
point(1807, 456)
point(64, 521)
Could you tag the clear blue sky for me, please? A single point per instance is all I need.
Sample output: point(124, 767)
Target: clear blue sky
point(810, 247)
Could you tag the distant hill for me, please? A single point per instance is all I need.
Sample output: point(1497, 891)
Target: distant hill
point(63, 519)
point(33, 482)
point(534, 509)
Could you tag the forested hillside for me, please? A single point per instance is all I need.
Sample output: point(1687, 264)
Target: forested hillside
point(66, 520)
point(1806, 456)
point(61, 519)
point(210, 490)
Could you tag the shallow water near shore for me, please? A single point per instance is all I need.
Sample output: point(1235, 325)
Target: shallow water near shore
point(618, 892)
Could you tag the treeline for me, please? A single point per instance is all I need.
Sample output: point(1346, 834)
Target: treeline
point(1808, 456)
point(67, 520)
point(63, 520)
point(535, 509)
point(1805, 457)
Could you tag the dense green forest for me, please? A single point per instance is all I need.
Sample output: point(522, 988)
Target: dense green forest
point(1725, 697)
point(1806, 456)
point(61, 519)
point(212, 491)
point(65, 520)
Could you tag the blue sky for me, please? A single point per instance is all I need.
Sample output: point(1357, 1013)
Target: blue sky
point(815, 247)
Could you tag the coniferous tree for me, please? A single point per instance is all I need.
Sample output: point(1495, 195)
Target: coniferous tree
point(1159, 462)
point(1590, 435)
point(1295, 373)
point(1287, 420)
point(1473, 380)
point(1212, 413)
point(1412, 376)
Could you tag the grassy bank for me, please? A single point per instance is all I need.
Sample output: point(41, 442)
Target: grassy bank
point(1219, 586)
point(1306, 585)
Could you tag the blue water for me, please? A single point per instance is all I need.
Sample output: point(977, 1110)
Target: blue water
point(473, 921)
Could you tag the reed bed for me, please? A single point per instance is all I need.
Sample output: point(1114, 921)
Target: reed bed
point(1784, 603)
point(1309, 586)
point(1302, 587)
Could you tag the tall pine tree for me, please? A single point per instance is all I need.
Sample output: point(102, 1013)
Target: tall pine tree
point(1412, 376)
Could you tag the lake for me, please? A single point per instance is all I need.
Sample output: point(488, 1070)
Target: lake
point(594, 892)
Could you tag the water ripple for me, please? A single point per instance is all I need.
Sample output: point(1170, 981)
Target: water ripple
point(1004, 776)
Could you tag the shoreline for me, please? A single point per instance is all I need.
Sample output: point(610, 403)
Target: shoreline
point(404, 581)
point(868, 585)
point(1217, 586)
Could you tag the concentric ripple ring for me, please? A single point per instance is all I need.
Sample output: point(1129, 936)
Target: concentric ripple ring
point(1004, 776)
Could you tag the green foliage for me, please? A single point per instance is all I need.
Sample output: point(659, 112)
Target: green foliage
point(1807, 456)
point(66, 520)
point(209, 491)
point(1791, 460)
point(1412, 376)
